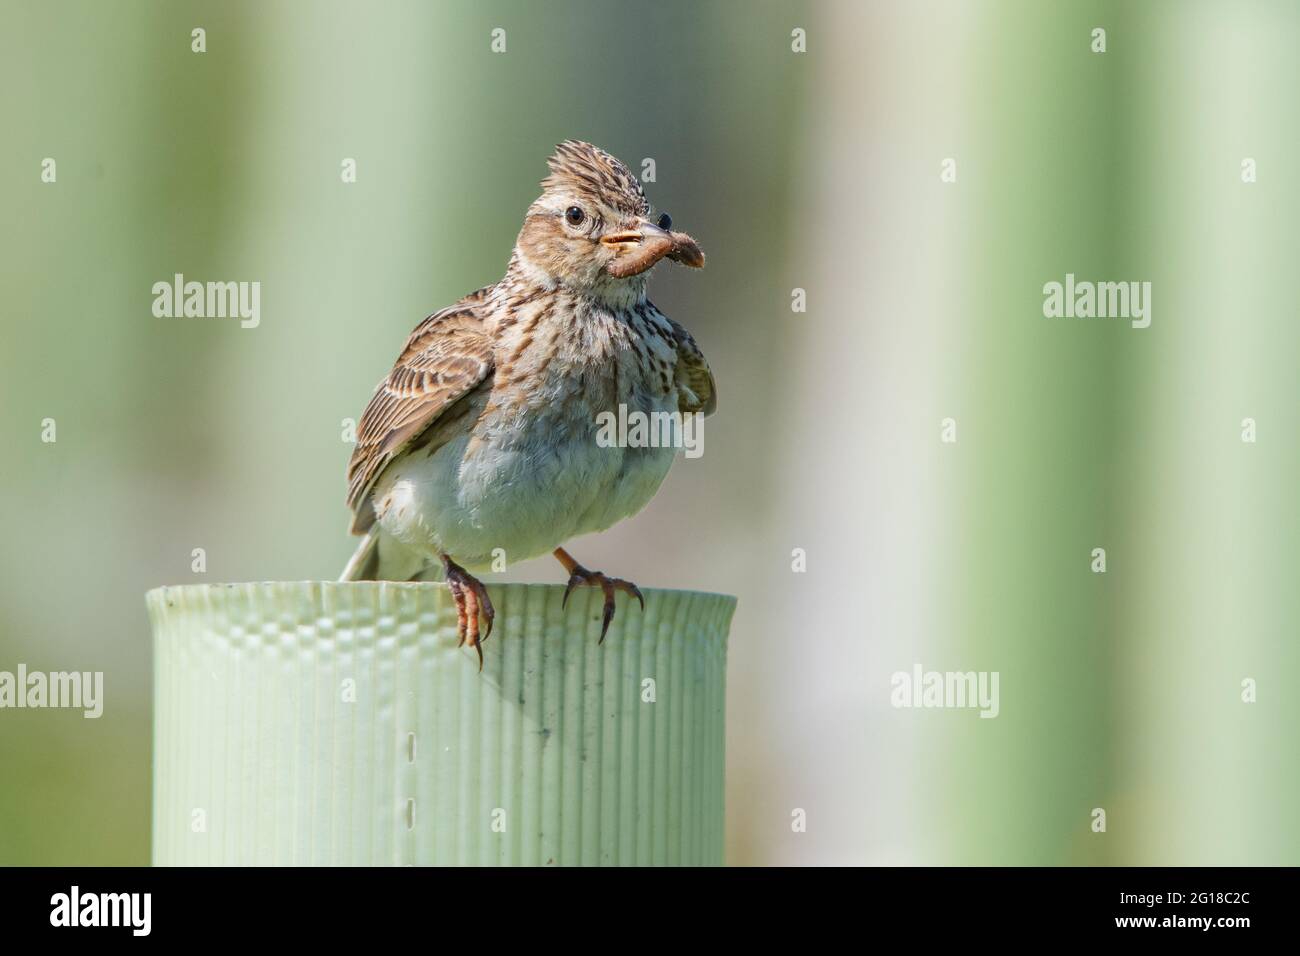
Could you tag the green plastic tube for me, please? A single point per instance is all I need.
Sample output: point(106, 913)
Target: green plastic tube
point(317, 723)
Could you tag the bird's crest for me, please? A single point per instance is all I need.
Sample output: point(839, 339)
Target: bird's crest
point(591, 170)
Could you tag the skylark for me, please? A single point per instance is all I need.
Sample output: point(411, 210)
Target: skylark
point(483, 436)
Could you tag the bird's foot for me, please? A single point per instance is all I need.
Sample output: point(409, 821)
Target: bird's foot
point(471, 599)
point(578, 575)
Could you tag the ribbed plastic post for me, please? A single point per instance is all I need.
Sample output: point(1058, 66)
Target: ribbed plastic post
point(339, 723)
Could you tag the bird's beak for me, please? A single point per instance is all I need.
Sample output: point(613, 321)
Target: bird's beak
point(636, 250)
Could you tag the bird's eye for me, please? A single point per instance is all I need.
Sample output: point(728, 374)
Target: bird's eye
point(665, 222)
point(574, 215)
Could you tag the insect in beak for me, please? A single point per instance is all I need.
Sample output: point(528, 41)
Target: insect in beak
point(636, 250)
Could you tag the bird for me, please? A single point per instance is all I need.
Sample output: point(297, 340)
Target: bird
point(482, 439)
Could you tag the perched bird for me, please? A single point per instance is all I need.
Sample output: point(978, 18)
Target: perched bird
point(484, 434)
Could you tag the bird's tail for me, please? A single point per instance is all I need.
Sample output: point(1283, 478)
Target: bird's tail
point(364, 563)
point(380, 557)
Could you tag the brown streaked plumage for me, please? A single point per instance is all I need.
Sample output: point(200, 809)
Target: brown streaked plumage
point(483, 435)
point(446, 356)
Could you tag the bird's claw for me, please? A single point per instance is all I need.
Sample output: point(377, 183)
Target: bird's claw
point(471, 598)
point(581, 576)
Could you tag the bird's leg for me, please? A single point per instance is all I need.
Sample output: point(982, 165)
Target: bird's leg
point(471, 599)
point(580, 575)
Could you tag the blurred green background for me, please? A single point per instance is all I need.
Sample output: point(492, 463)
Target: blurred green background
point(816, 170)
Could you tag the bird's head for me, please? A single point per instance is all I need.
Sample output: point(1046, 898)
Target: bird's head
point(592, 227)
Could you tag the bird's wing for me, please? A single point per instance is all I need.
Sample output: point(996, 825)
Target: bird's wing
point(695, 388)
point(447, 356)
